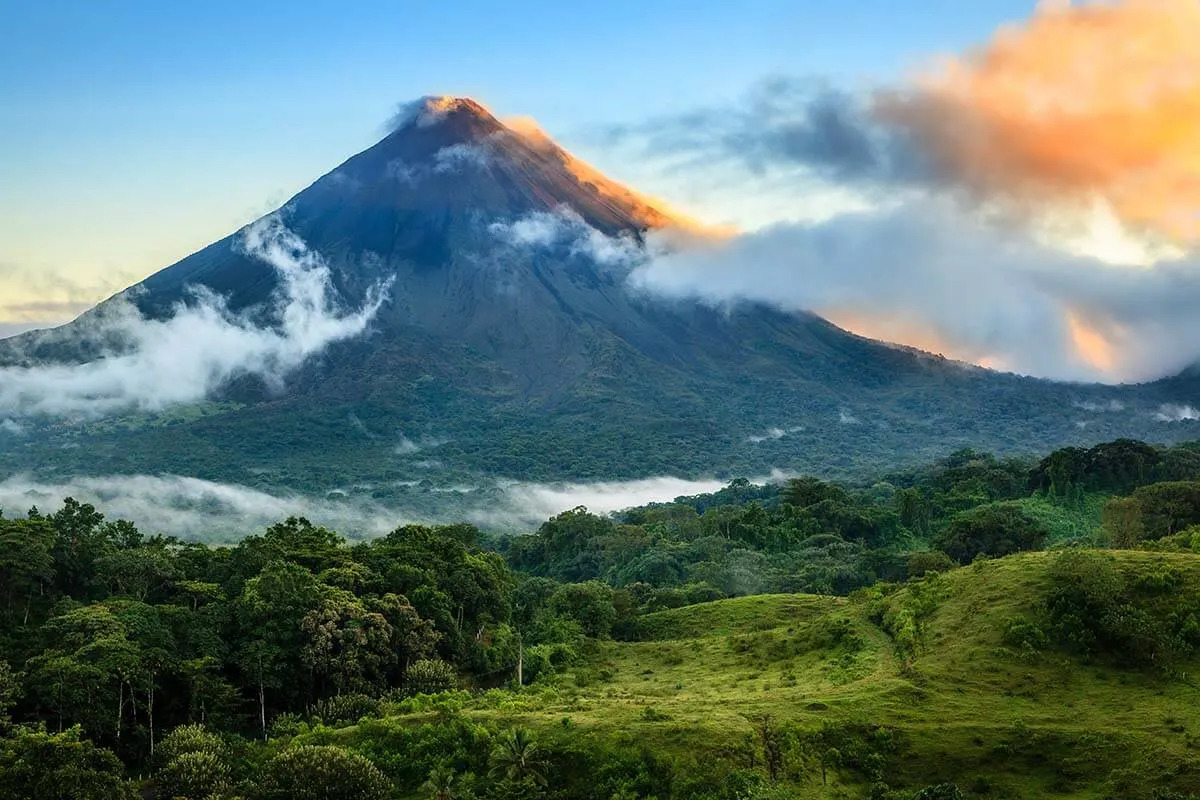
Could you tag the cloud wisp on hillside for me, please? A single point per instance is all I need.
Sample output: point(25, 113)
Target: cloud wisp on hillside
point(186, 357)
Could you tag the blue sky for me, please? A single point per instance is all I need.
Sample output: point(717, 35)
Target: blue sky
point(136, 132)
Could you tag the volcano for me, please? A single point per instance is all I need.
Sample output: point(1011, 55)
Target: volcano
point(510, 344)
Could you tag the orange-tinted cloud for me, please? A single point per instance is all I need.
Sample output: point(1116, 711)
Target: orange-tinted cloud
point(1092, 345)
point(1082, 101)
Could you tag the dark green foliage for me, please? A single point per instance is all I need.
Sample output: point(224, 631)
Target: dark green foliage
point(1168, 508)
point(195, 776)
point(310, 772)
point(995, 530)
point(1026, 637)
point(1111, 467)
point(406, 754)
point(10, 690)
point(1094, 610)
point(929, 561)
point(343, 709)
point(590, 604)
point(430, 676)
point(36, 765)
point(293, 632)
point(942, 791)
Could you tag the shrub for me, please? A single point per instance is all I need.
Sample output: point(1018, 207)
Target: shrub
point(1092, 609)
point(430, 676)
point(288, 724)
point(194, 776)
point(190, 739)
point(546, 659)
point(929, 561)
point(345, 708)
point(1024, 636)
point(315, 772)
point(942, 791)
point(35, 764)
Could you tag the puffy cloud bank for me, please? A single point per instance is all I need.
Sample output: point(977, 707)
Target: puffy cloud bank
point(931, 273)
point(187, 356)
point(1032, 205)
point(1085, 99)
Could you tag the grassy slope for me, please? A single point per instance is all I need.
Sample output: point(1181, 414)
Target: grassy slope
point(964, 709)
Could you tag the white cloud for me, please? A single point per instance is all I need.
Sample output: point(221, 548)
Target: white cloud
point(456, 157)
point(774, 433)
point(565, 228)
point(202, 345)
point(401, 172)
point(12, 427)
point(930, 273)
point(408, 447)
point(1172, 412)
point(1111, 406)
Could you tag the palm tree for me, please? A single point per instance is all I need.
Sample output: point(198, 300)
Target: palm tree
point(442, 784)
point(517, 758)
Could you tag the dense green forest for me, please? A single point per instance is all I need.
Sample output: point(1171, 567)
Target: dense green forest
point(922, 636)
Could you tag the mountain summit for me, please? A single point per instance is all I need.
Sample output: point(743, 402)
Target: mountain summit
point(414, 200)
point(509, 344)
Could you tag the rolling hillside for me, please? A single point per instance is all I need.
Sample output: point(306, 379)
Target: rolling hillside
point(962, 706)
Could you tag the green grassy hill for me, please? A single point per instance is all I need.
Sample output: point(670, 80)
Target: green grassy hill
point(912, 688)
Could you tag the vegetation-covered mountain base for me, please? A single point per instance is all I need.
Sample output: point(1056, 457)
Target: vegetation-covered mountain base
point(937, 653)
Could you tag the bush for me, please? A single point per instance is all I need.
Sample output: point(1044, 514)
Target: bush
point(1092, 609)
point(287, 724)
point(36, 764)
point(190, 739)
point(194, 776)
point(430, 676)
point(929, 561)
point(1024, 636)
point(942, 791)
point(345, 708)
point(324, 772)
point(546, 659)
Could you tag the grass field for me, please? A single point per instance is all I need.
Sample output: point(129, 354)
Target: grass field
point(937, 699)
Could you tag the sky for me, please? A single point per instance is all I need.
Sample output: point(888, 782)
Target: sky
point(1010, 183)
point(137, 132)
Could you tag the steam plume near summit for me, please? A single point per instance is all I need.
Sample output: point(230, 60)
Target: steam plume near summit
point(184, 358)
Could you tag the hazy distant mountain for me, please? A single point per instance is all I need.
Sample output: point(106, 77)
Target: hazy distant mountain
point(510, 345)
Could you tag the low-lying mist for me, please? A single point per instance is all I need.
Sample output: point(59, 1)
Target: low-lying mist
point(197, 509)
